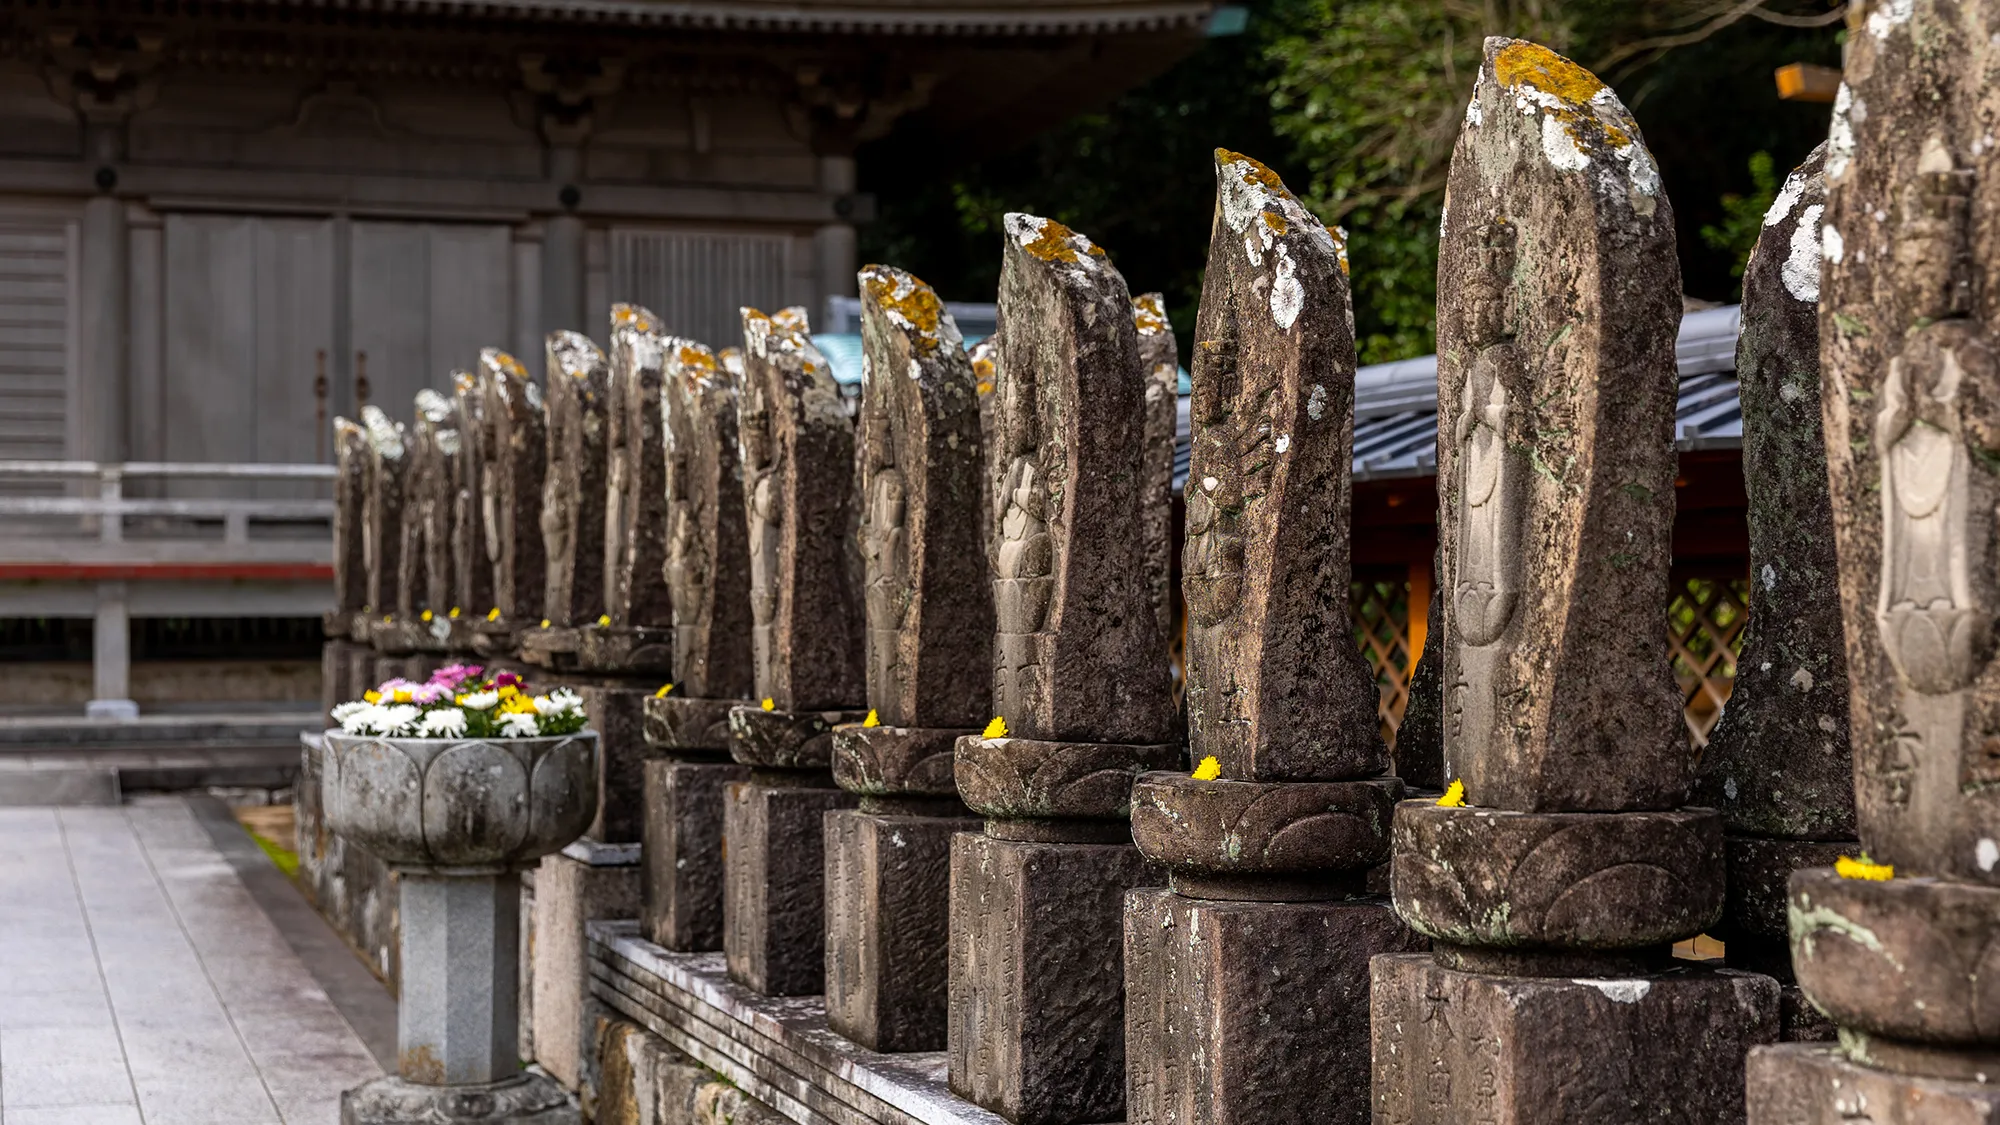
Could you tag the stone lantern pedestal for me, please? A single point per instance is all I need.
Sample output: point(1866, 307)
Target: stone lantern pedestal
point(458, 820)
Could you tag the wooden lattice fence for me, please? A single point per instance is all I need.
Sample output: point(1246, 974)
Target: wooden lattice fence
point(1704, 632)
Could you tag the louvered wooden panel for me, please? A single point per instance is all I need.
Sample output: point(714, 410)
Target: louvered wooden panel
point(697, 282)
point(36, 260)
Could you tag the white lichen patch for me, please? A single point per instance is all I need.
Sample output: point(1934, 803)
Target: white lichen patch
point(1832, 247)
point(1474, 117)
point(1283, 444)
point(1802, 679)
point(1800, 271)
point(385, 435)
point(1619, 991)
point(1582, 119)
point(1560, 147)
point(1250, 194)
point(1888, 15)
point(1288, 296)
point(433, 406)
point(1786, 199)
point(1847, 109)
point(1316, 402)
point(1986, 853)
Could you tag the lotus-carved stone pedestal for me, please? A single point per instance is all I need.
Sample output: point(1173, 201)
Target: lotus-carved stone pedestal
point(888, 885)
point(774, 872)
point(1037, 1014)
point(1246, 983)
point(458, 820)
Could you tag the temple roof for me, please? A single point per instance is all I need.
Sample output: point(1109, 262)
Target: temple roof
point(850, 17)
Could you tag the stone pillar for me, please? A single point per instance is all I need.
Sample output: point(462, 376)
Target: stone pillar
point(636, 640)
point(1554, 889)
point(929, 643)
point(835, 243)
point(111, 656)
point(709, 575)
point(514, 460)
point(1159, 358)
point(471, 564)
point(573, 499)
point(1898, 945)
point(1778, 765)
point(806, 658)
point(1080, 686)
point(1269, 843)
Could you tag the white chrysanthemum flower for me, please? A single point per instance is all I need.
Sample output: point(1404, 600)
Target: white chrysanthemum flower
point(565, 701)
point(481, 700)
point(517, 725)
point(549, 705)
point(342, 712)
point(361, 720)
point(448, 723)
point(398, 719)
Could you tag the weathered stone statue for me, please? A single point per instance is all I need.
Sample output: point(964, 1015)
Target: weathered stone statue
point(515, 448)
point(1778, 765)
point(985, 356)
point(1081, 691)
point(638, 638)
point(346, 624)
point(717, 457)
point(929, 611)
point(1899, 944)
point(1160, 359)
point(382, 539)
point(471, 565)
point(573, 497)
point(808, 675)
point(1247, 982)
point(421, 623)
point(1553, 890)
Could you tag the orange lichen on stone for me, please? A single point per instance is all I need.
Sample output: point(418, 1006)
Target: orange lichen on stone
point(1056, 243)
point(908, 301)
point(1276, 222)
point(1258, 174)
point(789, 319)
point(631, 316)
point(1569, 92)
point(697, 364)
point(1149, 314)
point(510, 365)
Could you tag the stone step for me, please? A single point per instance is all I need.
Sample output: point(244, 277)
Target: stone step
point(63, 786)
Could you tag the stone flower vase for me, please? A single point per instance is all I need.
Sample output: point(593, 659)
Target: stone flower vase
point(458, 819)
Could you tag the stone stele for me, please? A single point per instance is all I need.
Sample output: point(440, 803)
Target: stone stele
point(636, 596)
point(513, 487)
point(1558, 305)
point(1160, 360)
point(707, 563)
point(574, 494)
point(382, 508)
point(471, 560)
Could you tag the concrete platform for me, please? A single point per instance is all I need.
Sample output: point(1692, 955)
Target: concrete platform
point(143, 980)
point(77, 761)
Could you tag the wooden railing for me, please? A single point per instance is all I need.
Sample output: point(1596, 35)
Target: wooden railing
point(103, 516)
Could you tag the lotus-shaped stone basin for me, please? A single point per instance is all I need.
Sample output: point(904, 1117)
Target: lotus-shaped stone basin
point(460, 804)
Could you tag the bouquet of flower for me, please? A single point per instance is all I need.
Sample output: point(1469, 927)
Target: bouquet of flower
point(457, 703)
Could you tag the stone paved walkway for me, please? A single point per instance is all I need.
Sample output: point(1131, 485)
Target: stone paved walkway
point(141, 983)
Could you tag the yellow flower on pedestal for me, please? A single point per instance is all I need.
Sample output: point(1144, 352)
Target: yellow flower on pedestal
point(662, 693)
point(995, 729)
point(1864, 868)
point(427, 615)
point(1454, 797)
point(769, 704)
point(454, 613)
point(871, 720)
point(493, 614)
point(604, 620)
point(1208, 770)
point(545, 622)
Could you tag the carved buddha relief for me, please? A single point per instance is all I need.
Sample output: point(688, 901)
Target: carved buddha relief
point(886, 593)
point(1486, 560)
point(1231, 469)
point(689, 379)
point(758, 457)
point(1024, 560)
point(1934, 624)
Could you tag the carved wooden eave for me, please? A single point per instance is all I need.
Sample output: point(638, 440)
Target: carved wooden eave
point(1048, 17)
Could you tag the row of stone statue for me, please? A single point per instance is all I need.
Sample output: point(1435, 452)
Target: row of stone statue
point(1090, 930)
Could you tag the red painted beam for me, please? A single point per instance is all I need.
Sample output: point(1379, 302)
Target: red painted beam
point(170, 572)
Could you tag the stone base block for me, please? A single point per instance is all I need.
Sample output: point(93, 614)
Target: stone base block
point(1037, 978)
point(774, 882)
point(682, 725)
point(683, 851)
point(624, 651)
point(570, 891)
point(553, 648)
point(1453, 1047)
point(888, 888)
point(1760, 868)
point(618, 715)
point(1908, 958)
point(1262, 828)
point(531, 1099)
point(890, 760)
point(1564, 881)
point(1811, 1084)
point(1248, 1013)
point(1028, 779)
point(785, 740)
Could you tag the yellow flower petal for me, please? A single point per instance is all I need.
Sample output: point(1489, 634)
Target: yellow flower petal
point(1454, 797)
point(996, 729)
point(545, 622)
point(1208, 770)
point(604, 619)
point(372, 696)
point(402, 695)
point(454, 613)
point(769, 704)
point(662, 693)
point(1850, 868)
point(493, 614)
point(871, 720)
point(427, 615)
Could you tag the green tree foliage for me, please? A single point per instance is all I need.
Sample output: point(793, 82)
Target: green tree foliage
point(1743, 215)
point(1357, 103)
